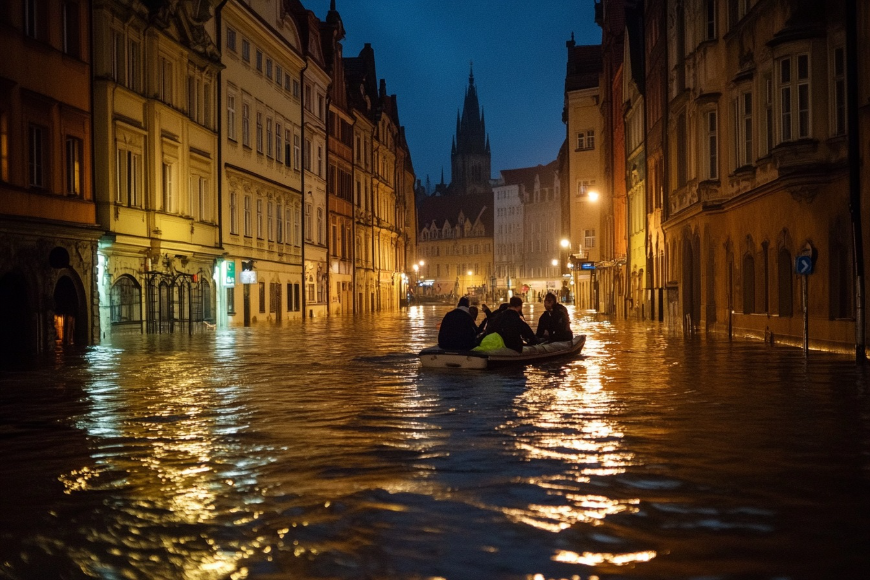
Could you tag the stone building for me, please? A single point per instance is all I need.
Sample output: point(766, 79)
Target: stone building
point(48, 229)
point(155, 134)
point(759, 169)
point(261, 133)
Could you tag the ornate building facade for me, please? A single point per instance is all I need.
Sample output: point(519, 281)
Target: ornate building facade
point(261, 135)
point(155, 129)
point(48, 229)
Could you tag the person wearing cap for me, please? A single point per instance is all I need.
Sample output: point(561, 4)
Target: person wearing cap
point(554, 323)
point(511, 326)
point(458, 330)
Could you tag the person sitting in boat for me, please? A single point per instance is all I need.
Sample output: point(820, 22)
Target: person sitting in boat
point(511, 326)
point(554, 323)
point(458, 330)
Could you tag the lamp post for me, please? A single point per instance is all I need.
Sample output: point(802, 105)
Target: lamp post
point(416, 282)
point(468, 283)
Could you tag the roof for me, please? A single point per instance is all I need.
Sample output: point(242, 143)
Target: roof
point(440, 208)
point(525, 176)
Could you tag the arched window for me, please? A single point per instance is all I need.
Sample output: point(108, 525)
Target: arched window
point(126, 301)
point(748, 284)
point(784, 283)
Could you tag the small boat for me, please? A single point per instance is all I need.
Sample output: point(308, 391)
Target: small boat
point(438, 358)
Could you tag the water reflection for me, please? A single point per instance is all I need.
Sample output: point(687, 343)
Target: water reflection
point(322, 450)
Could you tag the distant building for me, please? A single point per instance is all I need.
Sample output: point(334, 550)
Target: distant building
point(528, 256)
point(468, 212)
point(48, 230)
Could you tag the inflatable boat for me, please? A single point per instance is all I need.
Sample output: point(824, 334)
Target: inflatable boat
point(435, 357)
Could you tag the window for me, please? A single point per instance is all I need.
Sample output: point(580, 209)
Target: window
point(33, 18)
point(307, 153)
point(231, 39)
point(231, 116)
point(320, 160)
point(4, 146)
point(234, 213)
point(297, 226)
point(744, 129)
point(296, 88)
point(306, 102)
point(192, 96)
point(134, 65)
point(748, 284)
point(168, 187)
point(308, 221)
point(287, 153)
point(269, 68)
point(73, 163)
point(37, 146)
point(259, 132)
point(246, 50)
point(794, 97)
point(269, 137)
point(248, 216)
point(589, 238)
point(320, 225)
point(709, 19)
point(246, 125)
point(166, 80)
point(296, 151)
point(279, 223)
point(126, 301)
point(585, 140)
point(839, 102)
point(231, 301)
point(270, 222)
point(274, 296)
point(129, 170)
point(262, 296)
point(279, 75)
point(766, 143)
point(259, 60)
point(203, 199)
point(71, 29)
point(260, 219)
point(279, 148)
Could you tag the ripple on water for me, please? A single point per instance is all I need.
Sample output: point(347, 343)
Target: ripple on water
point(322, 450)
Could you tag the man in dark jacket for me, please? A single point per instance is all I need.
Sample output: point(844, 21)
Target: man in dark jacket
point(511, 326)
point(458, 330)
point(554, 324)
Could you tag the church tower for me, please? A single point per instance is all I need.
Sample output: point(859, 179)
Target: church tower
point(470, 155)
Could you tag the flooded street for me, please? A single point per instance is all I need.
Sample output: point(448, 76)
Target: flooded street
point(322, 450)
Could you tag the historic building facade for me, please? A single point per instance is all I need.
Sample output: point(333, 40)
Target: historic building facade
point(155, 130)
point(261, 273)
point(581, 198)
point(339, 178)
point(759, 169)
point(48, 230)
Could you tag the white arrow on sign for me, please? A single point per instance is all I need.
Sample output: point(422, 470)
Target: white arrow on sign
point(805, 265)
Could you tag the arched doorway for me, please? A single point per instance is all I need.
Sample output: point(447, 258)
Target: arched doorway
point(70, 321)
point(17, 322)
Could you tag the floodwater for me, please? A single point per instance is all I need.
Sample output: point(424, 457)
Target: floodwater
point(320, 450)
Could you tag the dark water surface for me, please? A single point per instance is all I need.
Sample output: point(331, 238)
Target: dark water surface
point(321, 450)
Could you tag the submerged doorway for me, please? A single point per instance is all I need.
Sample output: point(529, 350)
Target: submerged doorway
point(69, 326)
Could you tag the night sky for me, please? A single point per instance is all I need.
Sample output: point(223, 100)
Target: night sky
point(423, 49)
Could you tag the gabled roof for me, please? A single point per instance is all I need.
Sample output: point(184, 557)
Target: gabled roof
point(525, 176)
point(585, 64)
point(441, 208)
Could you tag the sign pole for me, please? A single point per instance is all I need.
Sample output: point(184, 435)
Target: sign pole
point(805, 293)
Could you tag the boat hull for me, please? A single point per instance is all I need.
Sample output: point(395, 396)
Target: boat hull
point(434, 357)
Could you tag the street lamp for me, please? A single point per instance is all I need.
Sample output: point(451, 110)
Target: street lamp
point(468, 285)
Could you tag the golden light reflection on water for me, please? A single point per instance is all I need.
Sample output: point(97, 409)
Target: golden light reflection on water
point(167, 473)
point(569, 418)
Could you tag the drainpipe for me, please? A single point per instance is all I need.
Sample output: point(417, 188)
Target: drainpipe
point(302, 185)
point(855, 173)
